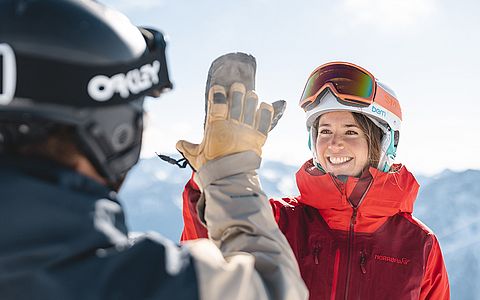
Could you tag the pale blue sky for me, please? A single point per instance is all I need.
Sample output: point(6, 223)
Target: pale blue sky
point(426, 50)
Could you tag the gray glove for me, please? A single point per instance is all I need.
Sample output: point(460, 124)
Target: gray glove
point(233, 123)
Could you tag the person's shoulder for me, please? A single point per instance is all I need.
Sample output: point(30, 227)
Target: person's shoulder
point(419, 224)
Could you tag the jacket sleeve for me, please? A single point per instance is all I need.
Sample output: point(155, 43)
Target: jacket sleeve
point(256, 258)
point(192, 227)
point(435, 280)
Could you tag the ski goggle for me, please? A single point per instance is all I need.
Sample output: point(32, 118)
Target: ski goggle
point(352, 84)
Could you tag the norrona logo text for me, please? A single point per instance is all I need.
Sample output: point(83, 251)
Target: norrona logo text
point(102, 88)
point(400, 261)
point(379, 111)
point(8, 72)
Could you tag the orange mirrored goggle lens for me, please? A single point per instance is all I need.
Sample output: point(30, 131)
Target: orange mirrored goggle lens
point(350, 83)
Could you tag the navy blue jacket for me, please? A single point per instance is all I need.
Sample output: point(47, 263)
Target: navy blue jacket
point(63, 236)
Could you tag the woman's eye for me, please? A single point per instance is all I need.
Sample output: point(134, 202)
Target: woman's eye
point(351, 132)
point(325, 131)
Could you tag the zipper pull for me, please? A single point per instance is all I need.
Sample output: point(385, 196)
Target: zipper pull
point(316, 251)
point(362, 262)
point(354, 216)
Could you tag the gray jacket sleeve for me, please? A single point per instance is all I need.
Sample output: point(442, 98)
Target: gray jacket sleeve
point(254, 260)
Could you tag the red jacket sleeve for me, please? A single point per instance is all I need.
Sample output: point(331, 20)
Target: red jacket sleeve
point(435, 284)
point(192, 227)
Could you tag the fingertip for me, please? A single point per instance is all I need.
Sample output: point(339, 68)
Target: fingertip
point(238, 87)
point(264, 118)
point(251, 101)
point(236, 99)
point(217, 94)
point(266, 106)
point(217, 103)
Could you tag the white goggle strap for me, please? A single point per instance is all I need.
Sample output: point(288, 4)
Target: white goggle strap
point(8, 71)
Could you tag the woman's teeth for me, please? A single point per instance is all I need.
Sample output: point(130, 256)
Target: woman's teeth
point(339, 160)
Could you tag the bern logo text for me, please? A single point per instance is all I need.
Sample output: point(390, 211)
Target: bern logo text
point(379, 111)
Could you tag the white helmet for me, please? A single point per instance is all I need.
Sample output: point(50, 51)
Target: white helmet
point(341, 86)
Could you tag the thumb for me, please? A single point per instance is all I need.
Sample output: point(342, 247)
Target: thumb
point(278, 109)
point(189, 151)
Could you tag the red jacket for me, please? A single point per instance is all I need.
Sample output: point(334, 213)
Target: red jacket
point(353, 240)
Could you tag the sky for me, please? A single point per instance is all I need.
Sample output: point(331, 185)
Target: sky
point(425, 50)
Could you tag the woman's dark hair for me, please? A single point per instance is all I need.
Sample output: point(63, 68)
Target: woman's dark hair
point(374, 137)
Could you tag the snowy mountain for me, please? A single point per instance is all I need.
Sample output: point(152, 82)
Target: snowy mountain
point(449, 203)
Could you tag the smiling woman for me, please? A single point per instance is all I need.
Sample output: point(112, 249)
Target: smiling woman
point(351, 228)
point(342, 132)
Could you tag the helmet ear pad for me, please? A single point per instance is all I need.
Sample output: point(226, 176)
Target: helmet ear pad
point(388, 150)
point(110, 137)
point(112, 144)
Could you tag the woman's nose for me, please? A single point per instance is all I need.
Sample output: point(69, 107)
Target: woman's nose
point(335, 143)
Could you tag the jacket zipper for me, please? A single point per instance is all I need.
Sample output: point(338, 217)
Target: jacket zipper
point(316, 251)
point(362, 262)
point(351, 232)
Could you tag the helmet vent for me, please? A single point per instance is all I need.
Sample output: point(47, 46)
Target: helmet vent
point(24, 129)
point(122, 137)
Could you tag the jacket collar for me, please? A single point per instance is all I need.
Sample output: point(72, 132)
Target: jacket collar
point(55, 173)
point(55, 211)
point(375, 193)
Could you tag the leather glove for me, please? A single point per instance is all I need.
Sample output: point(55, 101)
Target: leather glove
point(234, 122)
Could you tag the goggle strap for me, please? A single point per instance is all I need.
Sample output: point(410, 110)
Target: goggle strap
point(89, 85)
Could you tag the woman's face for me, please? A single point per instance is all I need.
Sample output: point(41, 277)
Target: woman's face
point(342, 147)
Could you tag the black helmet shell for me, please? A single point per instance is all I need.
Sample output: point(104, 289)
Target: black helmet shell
point(65, 54)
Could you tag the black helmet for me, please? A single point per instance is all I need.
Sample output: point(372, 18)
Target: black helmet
point(80, 64)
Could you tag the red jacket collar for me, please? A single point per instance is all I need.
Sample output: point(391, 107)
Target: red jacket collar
point(386, 195)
